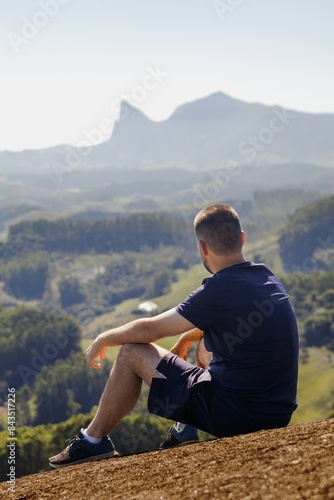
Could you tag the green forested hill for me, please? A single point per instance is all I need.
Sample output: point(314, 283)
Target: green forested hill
point(31, 339)
point(307, 241)
point(139, 253)
point(102, 236)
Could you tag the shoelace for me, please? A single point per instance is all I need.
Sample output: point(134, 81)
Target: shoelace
point(170, 432)
point(73, 443)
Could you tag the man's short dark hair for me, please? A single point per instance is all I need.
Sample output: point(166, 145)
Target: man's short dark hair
point(219, 227)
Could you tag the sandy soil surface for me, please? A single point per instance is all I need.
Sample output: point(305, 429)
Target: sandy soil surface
point(292, 463)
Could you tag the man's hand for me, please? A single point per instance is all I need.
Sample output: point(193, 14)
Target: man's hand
point(181, 348)
point(97, 349)
point(183, 345)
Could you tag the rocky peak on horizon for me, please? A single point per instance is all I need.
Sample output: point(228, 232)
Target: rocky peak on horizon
point(208, 131)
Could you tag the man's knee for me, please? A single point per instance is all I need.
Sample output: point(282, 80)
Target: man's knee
point(142, 359)
point(134, 354)
point(129, 351)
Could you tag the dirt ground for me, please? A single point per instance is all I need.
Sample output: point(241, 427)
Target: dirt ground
point(292, 463)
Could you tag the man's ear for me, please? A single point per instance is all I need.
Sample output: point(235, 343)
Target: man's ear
point(243, 238)
point(203, 247)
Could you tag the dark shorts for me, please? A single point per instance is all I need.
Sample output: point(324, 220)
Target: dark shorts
point(190, 395)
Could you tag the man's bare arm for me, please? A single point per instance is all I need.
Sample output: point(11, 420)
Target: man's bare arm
point(183, 345)
point(141, 331)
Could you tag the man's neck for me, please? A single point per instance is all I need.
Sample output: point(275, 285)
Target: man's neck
point(220, 263)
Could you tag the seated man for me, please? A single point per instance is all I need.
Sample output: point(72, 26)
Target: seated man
point(250, 328)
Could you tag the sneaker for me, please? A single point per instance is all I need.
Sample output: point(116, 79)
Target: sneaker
point(80, 450)
point(178, 438)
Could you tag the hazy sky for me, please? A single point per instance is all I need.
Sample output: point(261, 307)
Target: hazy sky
point(65, 64)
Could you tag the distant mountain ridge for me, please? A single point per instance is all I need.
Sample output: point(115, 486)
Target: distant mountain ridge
point(202, 133)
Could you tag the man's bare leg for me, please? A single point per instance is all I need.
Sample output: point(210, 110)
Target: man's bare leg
point(135, 363)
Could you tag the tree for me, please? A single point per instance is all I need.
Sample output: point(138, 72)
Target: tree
point(26, 278)
point(103, 236)
point(319, 329)
point(308, 232)
point(327, 299)
point(31, 339)
point(159, 283)
point(71, 292)
point(67, 387)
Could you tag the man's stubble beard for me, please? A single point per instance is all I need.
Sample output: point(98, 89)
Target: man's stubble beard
point(205, 264)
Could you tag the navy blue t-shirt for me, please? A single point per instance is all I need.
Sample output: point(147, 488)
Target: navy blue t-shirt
point(251, 329)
